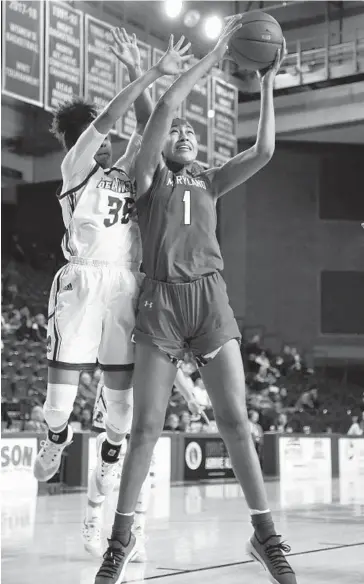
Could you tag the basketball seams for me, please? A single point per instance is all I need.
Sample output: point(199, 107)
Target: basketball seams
point(250, 47)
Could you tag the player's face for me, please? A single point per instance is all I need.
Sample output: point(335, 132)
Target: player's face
point(181, 145)
point(104, 154)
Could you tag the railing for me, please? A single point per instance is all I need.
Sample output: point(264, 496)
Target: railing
point(308, 62)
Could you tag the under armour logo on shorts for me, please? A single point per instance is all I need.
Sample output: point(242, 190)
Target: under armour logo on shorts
point(148, 304)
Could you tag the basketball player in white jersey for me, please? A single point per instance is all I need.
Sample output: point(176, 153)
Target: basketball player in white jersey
point(92, 526)
point(93, 298)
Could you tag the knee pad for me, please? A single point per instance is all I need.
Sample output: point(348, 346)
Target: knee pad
point(58, 405)
point(119, 409)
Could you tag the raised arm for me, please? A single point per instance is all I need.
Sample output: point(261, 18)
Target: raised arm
point(245, 164)
point(125, 98)
point(127, 51)
point(160, 121)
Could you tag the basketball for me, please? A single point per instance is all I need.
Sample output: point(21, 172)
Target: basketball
point(254, 46)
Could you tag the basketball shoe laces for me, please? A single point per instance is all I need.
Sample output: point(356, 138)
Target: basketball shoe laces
point(112, 558)
point(275, 553)
point(50, 450)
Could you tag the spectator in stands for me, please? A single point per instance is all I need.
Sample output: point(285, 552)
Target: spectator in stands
point(355, 429)
point(281, 423)
point(283, 394)
point(253, 347)
point(308, 401)
point(39, 328)
point(36, 422)
point(256, 432)
point(6, 421)
point(25, 329)
point(185, 422)
point(76, 413)
point(172, 423)
point(86, 419)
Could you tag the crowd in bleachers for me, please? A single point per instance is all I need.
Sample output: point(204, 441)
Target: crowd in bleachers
point(283, 393)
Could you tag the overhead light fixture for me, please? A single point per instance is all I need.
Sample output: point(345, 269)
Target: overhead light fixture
point(173, 8)
point(192, 18)
point(213, 27)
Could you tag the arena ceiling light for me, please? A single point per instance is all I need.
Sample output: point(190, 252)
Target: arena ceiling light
point(213, 26)
point(173, 8)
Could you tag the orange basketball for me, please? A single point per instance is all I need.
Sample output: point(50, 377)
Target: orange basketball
point(254, 46)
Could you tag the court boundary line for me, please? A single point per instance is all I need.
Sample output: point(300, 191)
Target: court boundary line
point(242, 563)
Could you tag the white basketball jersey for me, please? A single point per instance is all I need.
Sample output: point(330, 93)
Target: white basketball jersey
point(98, 204)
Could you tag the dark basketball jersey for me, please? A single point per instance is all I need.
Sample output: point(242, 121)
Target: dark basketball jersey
point(177, 220)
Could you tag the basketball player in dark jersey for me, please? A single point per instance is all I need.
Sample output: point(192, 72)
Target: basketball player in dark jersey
point(184, 306)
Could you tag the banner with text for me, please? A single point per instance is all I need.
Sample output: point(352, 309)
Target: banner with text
point(206, 458)
point(305, 457)
point(195, 109)
point(101, 67)
point(64, 54)
point(224, 103)
point(23, 50)
point(127, 123)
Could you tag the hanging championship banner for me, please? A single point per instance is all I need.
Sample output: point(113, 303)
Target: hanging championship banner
point(101, 67)
point(127, 123)
point(195, 109)
point(64, 54)
point(224, 98)
point(23, 50)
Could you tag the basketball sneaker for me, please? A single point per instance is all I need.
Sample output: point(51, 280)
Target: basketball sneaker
point(106, 473)
point(91, 535)
point(48, 459)
point(140, 556)
point(270, 554)
point(116, 559)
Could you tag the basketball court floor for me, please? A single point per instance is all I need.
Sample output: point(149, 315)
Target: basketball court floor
point(196, 534)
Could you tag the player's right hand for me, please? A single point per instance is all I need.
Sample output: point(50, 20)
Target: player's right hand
point(174, 58)
point(126, 49)
point(222, 45)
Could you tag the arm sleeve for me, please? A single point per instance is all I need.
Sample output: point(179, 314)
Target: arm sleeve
point(79, 161)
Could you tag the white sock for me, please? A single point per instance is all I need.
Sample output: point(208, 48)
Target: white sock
point(257, 512)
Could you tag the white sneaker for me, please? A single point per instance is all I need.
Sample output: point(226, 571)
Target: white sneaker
point(106, 472)
point(48, 459)
point(91, 535)
point(140, 556)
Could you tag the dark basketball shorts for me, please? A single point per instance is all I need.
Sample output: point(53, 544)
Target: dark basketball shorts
point(179, 317)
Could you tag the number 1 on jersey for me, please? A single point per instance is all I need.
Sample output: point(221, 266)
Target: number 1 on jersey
point(187, 207)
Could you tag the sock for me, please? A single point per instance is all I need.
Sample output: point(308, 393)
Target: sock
point(110, 452)
point(93, 511)
point(58, 437)
point(263, 524)
point(122, 527)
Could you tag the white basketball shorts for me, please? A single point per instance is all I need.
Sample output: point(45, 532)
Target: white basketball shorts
point(91, 315)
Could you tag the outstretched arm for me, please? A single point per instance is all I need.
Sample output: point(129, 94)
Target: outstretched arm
point(160, 121)
point(125, 98)
point(127, 51)
point(247, 163)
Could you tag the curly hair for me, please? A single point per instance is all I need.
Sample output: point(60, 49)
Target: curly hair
point(70, 119)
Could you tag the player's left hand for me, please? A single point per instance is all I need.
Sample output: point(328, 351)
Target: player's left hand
point(268, 75)
point(173, 60)
point(126, 49)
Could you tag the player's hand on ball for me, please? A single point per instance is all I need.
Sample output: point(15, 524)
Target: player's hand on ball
point(174, 58)
point(222, 45)
point(268, 75)
point(126, 49)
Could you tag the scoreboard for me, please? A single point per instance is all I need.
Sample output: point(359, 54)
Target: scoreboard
point(52, 52)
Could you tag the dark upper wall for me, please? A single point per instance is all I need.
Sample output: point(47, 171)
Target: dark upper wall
point(275, 247)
